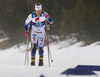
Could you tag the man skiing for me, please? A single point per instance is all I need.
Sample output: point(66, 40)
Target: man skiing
point(36, 20)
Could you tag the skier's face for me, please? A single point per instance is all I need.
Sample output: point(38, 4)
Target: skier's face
point(38, 12)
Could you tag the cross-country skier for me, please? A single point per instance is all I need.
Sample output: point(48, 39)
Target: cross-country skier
point(37, 20)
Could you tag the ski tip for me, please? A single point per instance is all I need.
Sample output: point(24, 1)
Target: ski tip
point(51, 60)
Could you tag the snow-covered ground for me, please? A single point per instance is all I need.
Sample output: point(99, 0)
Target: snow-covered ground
point(64, 56)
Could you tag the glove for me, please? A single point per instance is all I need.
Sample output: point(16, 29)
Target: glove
point(48, 27)
point(26, 33)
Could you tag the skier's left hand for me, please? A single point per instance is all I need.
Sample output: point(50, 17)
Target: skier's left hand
point(48, 27)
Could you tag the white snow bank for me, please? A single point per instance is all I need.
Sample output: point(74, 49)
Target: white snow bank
point(64, 56)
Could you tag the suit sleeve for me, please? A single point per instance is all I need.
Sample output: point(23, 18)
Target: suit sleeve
point(49, 19)
point(28, 20)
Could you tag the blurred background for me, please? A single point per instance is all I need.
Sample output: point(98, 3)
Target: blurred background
point(72, 18)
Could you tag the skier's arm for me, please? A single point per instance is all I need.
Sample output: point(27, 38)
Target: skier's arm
point(27, 22)
point(48, 18)
point(27, 25)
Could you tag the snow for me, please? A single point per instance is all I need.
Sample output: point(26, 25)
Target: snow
point(64, 56)
point(4, 39)
point(3, 36)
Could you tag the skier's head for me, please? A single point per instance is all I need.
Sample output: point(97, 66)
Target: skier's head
point(38, 8)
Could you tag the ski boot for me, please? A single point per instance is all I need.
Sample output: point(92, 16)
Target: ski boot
point(41, 61)
point(32, 61)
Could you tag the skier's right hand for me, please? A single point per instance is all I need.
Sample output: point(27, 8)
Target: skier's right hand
point(26, 33)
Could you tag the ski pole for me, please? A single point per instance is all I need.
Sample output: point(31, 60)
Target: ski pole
point(25, 59)
point(48, 50)
point(27, 53)
point(28, 50)
point(49, 53)
point(48, 46)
